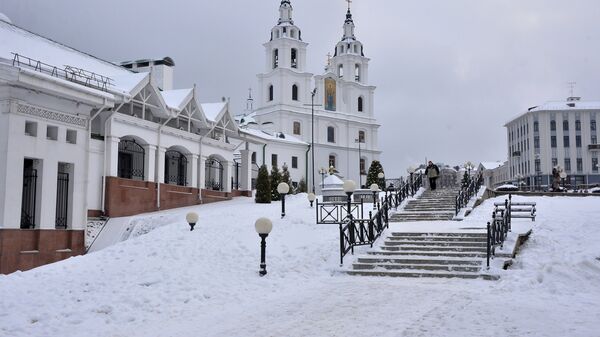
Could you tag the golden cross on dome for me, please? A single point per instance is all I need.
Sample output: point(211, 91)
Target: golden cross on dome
point(349, 2)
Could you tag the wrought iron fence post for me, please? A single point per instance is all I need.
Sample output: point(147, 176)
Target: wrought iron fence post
point(352, 236)
point(489, 245)
point(341, 245)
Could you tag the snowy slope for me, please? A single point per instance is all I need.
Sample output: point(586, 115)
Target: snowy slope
point(173, 282)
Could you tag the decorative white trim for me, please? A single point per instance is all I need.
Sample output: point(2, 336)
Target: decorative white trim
point(52, 115)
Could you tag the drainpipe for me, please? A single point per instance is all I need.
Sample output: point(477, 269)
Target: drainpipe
point(264, 154)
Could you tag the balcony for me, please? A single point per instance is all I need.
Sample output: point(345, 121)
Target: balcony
point(594, 147)
point(516, 154)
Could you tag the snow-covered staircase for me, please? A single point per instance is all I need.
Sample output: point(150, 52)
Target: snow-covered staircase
point(440, 255)
point(430, 206)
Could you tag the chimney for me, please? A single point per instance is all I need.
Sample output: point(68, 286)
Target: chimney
point(161, 70)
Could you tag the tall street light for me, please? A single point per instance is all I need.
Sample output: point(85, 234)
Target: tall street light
point(283, 189)
point(381, 177)
point(263, 227)
point(349, 188)
point(312, 133)
point(374, 189)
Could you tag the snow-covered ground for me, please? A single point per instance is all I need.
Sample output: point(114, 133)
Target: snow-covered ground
point(173, 282)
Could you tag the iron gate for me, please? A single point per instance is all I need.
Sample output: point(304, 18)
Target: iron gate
point(175, 168)
point(214, 175)
point(28, 204)
point(131, 160)
point(62, 200)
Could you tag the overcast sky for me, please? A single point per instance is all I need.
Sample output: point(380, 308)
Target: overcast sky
point(449, 74)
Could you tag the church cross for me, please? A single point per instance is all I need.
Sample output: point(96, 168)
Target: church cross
point(349, 2)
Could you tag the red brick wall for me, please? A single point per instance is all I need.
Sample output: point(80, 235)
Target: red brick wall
point(125, 197)
point(22, 249)
point(172, 196)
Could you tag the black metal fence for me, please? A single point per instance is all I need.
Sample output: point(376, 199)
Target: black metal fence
point(62, 201)
point(176, 164)
point(337, 212)
point(131, 160)
point(467, 192)
point(28, 202)
point(361, 232)
point(498, 229)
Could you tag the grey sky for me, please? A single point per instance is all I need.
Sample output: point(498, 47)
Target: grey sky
point(449, 73)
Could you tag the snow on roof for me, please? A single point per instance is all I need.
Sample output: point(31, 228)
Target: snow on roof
point(332, 181)
point(4, 18)
point(566, 105)
point(14, 39)
point(176, 98)
point(491, 165)
point(277, 136)
point(212, 110)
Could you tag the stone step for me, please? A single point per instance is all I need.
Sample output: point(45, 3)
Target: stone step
point(399, 247)
point(436, 243)
point(442, 234)
point(438, 238)
point(396, 252)
point(429, 260)
point(422, 218)
point(399, 220)
point(398, 266)
point(434, 274)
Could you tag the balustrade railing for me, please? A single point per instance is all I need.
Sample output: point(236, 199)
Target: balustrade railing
point(498, 229)
point(337, 212)
point(361, 232)
point(467, 192)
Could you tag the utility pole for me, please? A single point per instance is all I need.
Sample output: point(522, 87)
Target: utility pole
point(312, 134)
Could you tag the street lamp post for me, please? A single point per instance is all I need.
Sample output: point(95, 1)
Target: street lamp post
point(312, 141)
point(283, 189)
point(563, 176)
point(192, 219)
point(263, 227)
point(374, 189)
point(359, 141)
point(311, 198)
point(349, 188)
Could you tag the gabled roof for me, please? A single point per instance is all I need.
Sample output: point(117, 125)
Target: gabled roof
point(14, 39)
point(277, 136)
point(491, 165)
point(177, 99)
point(218, 113)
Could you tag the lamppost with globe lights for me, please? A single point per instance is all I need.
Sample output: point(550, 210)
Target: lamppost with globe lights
point(192, 219)
point(381, 177)
point(311, 198)
point(263, 227)
point(374, 188)
point(349, 188)
point(283, 189)
point(563, 176)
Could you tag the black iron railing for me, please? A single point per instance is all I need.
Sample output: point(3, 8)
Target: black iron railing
point(337, 212)
point(407, 188)
point(361, 232)
point(467, 192)
point(498, 228)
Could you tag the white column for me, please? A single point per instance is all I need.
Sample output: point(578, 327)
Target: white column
point(48, 180)
point(160, 167)
point(112, 156)
point(202, 171)
point(193, 170)
point(150, 162)
point(246, 171)
point(227, 173)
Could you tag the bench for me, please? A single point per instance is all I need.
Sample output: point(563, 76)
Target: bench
point(518, 210)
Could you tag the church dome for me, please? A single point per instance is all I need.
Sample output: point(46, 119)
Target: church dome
point(4, 18)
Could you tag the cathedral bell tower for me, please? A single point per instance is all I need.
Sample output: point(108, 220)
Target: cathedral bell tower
point(349, 61)
point(285, 80)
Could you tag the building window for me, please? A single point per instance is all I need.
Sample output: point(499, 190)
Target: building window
point(357, 72)
point(593, 125)
point(331, 160)
point(297, 128)
point(552, 125)
point(274, 160)
point(538, 165)
point(294, 162)
point(253, 158)
point(595, 164)
point(52, 132)
point(363, 166)
point(270, 93)
point(361, 136)
point(568, 164)
point(565, 125)
point(566, 141)
point(72, 136)
point(579, 165)
point(360, 104)
point(331, 134)
point(275, 58)
point(554, 162)
point(341, 70)
point(536, 142)
point(536, 126)
point(578, 141)
point(294, 92)
point(594, 139)
point(553, 142)
point(294, 58)
point(577, 125)
point(31, 129)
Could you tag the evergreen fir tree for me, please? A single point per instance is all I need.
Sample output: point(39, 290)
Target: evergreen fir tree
point(302, 186)
point(275, 180)
point(263, 186)
point(372, 176)
point(285, 177)
point(466, 180)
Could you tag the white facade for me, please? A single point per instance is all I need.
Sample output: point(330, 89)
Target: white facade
point(344, 111)
point(562, 134)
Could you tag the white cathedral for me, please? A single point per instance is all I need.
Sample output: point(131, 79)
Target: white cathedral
point(81, 137)
point(345, 128)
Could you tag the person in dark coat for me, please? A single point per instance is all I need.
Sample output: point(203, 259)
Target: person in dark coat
point(432, 172)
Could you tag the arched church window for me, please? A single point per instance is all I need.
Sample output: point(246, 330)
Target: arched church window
point(294, 58)
point(330, 94)
point(270, 93)
point(341, 70)
point(294, 92)
point(363, 166)
point(361, 136)
point(275, 58)
point(356, 49)
point(253, 158)
point(331, 134)
point(293, 33)
point(332, 160)
point(357, 72)
point(297, 128)
point(360, 104)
